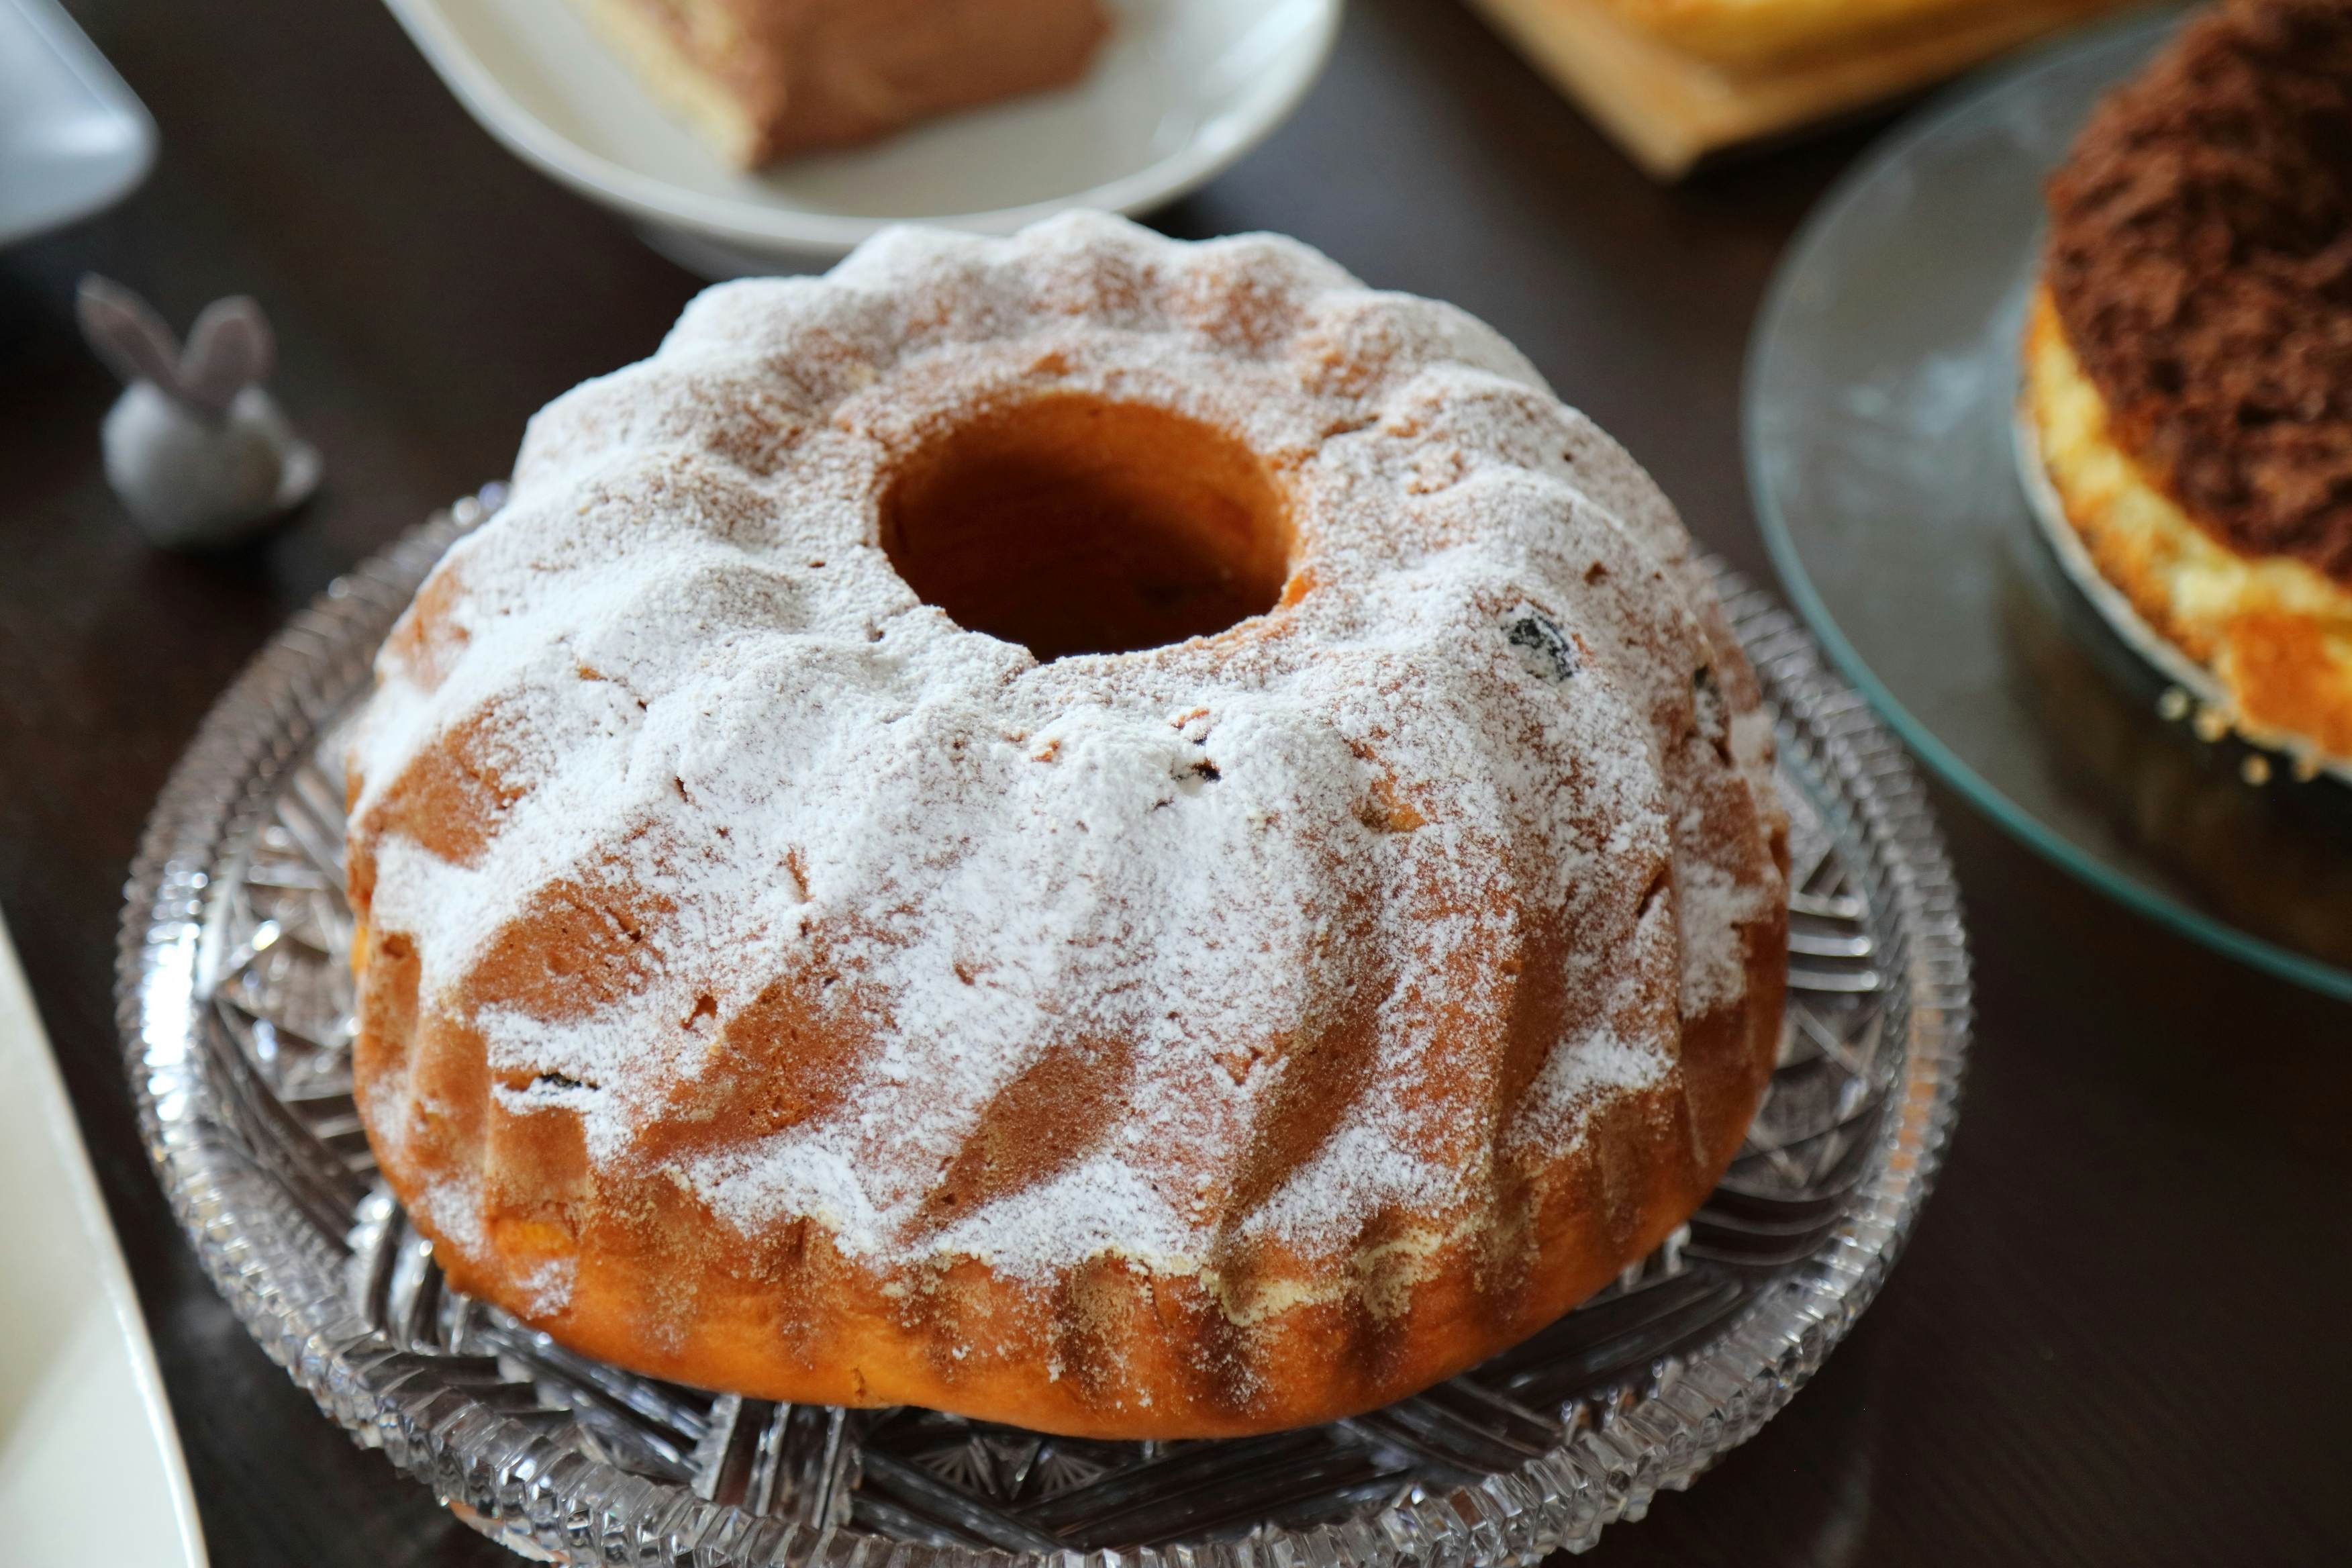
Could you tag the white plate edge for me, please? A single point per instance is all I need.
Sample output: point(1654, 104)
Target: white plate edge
point(485, 97)
point(20, 1021)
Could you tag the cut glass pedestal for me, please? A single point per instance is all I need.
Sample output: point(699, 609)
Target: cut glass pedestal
point(236, 1010)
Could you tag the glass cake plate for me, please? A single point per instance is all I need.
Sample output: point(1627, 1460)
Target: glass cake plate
point(236, 1012)
point(1880, 413)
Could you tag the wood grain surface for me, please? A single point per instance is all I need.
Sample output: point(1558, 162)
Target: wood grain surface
point(2117, 1338)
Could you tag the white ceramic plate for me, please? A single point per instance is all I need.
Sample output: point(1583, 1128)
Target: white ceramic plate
point(90, 1463)
point(73, 140)
point(1182, 89)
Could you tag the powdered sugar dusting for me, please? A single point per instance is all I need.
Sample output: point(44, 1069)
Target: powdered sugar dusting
point(706, 723)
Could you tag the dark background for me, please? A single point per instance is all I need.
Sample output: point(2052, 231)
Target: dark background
point(2119, 1335)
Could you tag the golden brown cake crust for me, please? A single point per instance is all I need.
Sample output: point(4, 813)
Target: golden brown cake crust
point(1112, 1351)
point(1760, 36)
point(1079, 1362)
point(2275, 634)
point(769, 983)
point(2199, 252)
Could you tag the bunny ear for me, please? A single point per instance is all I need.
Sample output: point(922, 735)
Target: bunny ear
point(127, 334)
point(230, 348)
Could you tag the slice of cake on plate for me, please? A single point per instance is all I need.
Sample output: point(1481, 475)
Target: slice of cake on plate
point(763, 79)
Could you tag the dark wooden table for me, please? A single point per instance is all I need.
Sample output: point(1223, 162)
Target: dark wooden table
point(2119, 1335)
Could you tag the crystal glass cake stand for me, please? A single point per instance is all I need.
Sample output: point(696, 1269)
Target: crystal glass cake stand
point(235, 1008)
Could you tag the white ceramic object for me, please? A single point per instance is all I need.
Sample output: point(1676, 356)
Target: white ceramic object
point(73, 140)
point(1182, 90)
point(196, 446)
point(90, 1463)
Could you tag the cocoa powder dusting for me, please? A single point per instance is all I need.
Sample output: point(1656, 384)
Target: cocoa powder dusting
point(2200, 259)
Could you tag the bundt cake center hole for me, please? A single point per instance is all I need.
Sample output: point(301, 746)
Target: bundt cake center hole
point(1069, 524)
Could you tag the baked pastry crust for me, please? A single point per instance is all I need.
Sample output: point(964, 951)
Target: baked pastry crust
point(1760, 35)
point(762, 80)
point(2189, 359)
point(2275, 633)
point(1675, 84)
point(768, 984)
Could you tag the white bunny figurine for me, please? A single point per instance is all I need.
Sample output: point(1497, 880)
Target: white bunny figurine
point(195, 447)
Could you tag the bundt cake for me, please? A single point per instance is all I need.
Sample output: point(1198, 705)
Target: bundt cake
point(1128, 837)
point(2189, 361)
